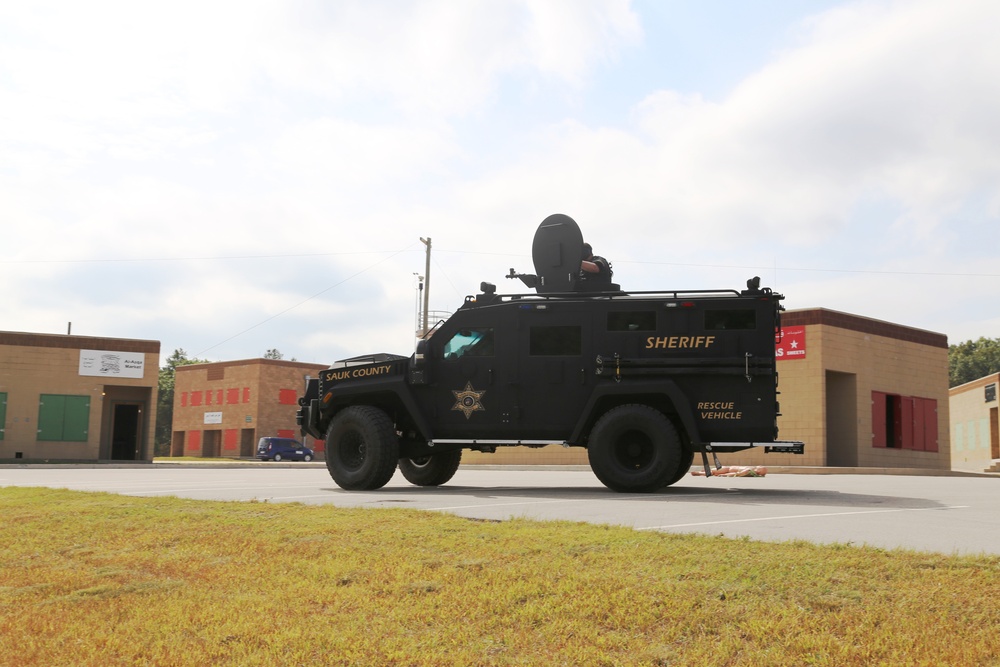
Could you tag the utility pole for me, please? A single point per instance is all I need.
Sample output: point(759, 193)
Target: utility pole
point(427, 281)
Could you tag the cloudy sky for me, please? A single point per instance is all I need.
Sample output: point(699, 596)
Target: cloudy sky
point(230, 177)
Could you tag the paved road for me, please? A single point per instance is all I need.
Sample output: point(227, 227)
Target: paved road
point(950, 515)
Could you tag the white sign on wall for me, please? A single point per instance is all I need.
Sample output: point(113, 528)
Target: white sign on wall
point(106, 363)
point(213, 417)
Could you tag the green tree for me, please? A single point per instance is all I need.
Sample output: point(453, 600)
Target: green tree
point(274, 353)
point(972, 360)
point(165, 400)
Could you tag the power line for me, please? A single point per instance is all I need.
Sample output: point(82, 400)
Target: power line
point(497, 254)
point(187, 259)
point(821, 270)
point(317, 294)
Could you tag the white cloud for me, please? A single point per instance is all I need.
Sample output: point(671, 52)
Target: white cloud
point(351, 129)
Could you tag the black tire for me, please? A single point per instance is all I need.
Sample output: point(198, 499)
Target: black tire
point(433, 470)
point(361, 448)
point(307, 458)
point(635, 448)
point(687, 458)
point(277, 457)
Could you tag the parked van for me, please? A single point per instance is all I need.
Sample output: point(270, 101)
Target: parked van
point(281, 449)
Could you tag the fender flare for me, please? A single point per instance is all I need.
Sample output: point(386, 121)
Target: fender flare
point(666, 388)
point(393, 386)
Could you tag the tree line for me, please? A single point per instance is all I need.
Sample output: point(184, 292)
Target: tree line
point(972, 360)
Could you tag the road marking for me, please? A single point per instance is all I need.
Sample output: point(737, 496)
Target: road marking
point(802, 516)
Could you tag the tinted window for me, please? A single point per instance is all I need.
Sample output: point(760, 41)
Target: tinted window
point(643, 320)
point(717, 320)
point(470, 342)
point(555, 341)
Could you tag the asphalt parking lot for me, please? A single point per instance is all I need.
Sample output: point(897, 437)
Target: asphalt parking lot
point(943, 514)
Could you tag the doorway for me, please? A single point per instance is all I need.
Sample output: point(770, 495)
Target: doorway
point(125, 439)
point(247, 443)
point(211, 444)
point(841, 419)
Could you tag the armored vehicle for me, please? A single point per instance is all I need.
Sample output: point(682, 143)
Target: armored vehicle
point(641, 380)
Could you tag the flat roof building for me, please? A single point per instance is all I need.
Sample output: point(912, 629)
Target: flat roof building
point(860, 392)
point(221, 409)
point(77, 398)
point(975, 425)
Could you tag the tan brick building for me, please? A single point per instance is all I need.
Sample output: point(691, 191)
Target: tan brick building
point(223, 408)
point(77, 398)
point(975, 425)
point(859, 392)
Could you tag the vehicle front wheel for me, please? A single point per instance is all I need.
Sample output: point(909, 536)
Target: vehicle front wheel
point(433, 470)
point(307, 458)
point(687, 458)
point(635, 448)
point(362, 448)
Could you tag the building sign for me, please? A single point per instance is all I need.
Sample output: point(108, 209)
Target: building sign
point(213, 417)
point(104, 363)
point(792, 344)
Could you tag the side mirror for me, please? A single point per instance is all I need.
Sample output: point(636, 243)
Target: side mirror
point(420, 354)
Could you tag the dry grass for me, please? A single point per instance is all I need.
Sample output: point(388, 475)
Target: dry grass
point(96, 579)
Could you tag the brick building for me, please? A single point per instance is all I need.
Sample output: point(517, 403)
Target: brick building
point(859, 392)
point(975, 425)
point(77, 398)
point(223, 408)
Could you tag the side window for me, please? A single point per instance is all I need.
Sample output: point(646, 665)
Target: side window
point(720, 320)
point(643, 320)
point(559, 341)
point(470, 343)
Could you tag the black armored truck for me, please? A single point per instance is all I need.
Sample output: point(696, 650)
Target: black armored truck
point(642, 380)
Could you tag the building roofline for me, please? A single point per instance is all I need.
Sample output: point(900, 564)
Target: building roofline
point(248, 362)
point(975, 384)
point(833, 318)
point(73, 342)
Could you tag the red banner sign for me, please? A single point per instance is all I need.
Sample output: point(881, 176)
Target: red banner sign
point(791, 344)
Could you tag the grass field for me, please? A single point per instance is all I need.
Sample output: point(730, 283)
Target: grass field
point(98, 579)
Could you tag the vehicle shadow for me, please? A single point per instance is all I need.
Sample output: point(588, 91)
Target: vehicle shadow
point(397, 495)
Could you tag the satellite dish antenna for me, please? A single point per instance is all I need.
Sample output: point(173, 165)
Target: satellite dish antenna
point(556, 252)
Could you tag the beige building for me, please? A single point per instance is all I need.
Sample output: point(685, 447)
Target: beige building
point(77, 398)
point(975, 425)
point(858, 392)
point(223, 408)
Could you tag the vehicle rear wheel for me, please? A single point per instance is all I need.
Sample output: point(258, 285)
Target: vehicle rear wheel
point(277, 457)
point(635, 448)
point(362, 448)
point(433, 470)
